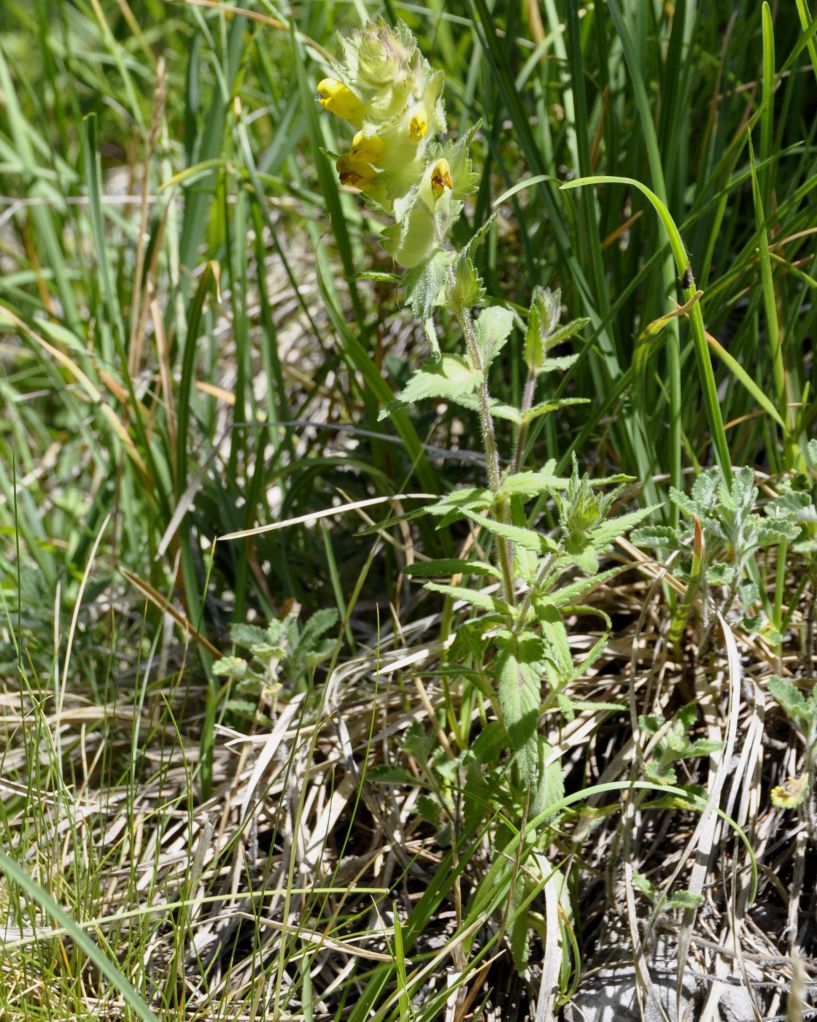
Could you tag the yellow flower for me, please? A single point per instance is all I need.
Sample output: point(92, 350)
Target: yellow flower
point(418, 125)
point(367, 148)
point(340, 100)
point(440, 178)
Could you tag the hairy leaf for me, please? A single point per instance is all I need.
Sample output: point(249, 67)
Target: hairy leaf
point(493, 328)
point(424, 283)
point(450, 566)
point(450, 378)
point(528, 538)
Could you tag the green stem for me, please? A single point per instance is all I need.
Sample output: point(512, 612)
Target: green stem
point(527, 403)
point(486, 421)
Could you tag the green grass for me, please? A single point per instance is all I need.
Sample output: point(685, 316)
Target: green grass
point(190, 349)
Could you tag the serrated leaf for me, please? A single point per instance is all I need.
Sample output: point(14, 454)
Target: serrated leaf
point(612, 528)
point(468, 286)
point(457, 500)
point(498, 409)
point(474, 597)
point(528, 538)
point(564, 333)
point(465, 178)
point(791, 699)
point(543, 319)
point(247, 636)
point(546, 407)
point(418, 743)
point(519, 680)
point(574, 591)
point(493, 328)
point(556, 653)
point(318, 624)
point(242, 706)
point(449, 378)
point(559, 363)
point(644, 884)
point(450, 566)
point(424, 283)
point(531, 484)
point(230, 667)
point(685, 899)
point(662, 536)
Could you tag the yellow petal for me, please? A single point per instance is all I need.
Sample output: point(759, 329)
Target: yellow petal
point(440, 178)
point(356, 173)
point(367, 148)
point(339, 99)
point(418, 125)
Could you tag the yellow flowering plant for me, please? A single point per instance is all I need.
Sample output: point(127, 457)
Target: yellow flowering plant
point(388, 93)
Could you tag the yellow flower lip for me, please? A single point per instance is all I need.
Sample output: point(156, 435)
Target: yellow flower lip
point(366, 148)
point(354, 172)
point(418, 125)
point(440, 178)
point(339, 99)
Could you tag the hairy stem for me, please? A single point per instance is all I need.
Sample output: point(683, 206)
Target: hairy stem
point(486, 422)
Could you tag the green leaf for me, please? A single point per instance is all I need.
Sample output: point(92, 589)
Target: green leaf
point(532, 484)
point(457, 500)
point(247, 636)
point(663, 537)
point(449, 378)
point(558, 364)
point(685, 899)
point(385, 774)
point(475, 597)
point(551, 787)
point(493, 328)
point(546, 407)
point(527, 538)
point(498, 409)
point(611, 529)
point(468, 286)
point(424, 283)
point(465, 178)
point(519, 684)
point(519, 925)
point(543, 319)
point(450, 566)
point(230, 667)
point(801, 711)
point(574, 591)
